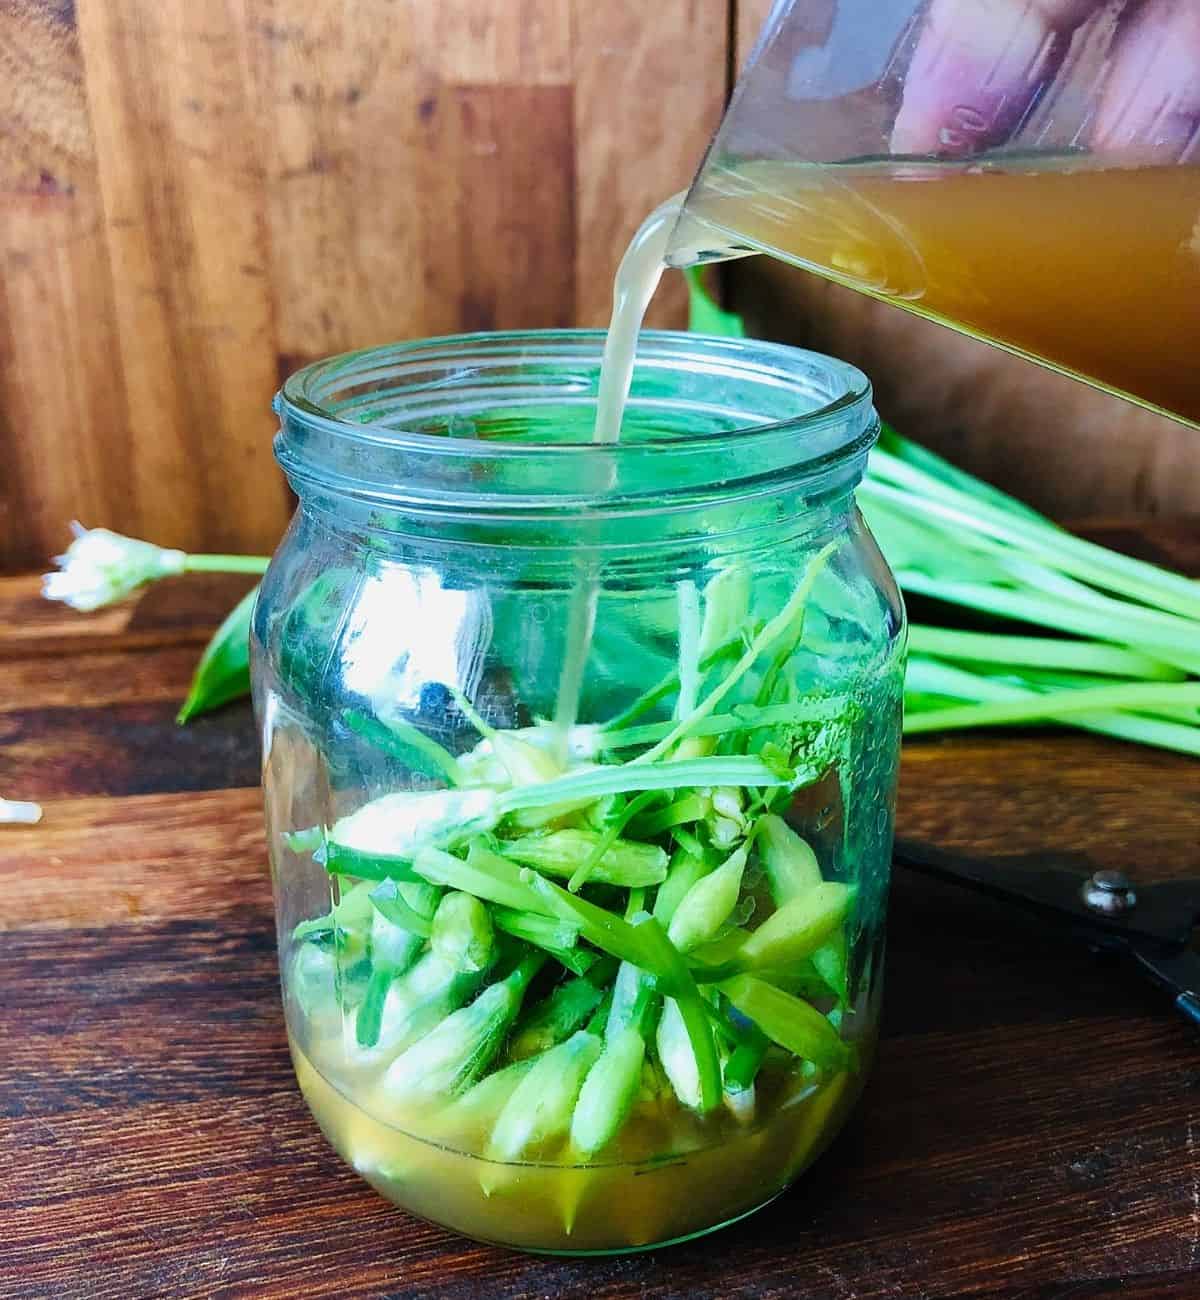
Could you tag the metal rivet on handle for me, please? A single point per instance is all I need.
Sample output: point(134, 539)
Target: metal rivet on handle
point(1110, 893)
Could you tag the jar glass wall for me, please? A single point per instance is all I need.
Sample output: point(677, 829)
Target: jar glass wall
point(579, 767)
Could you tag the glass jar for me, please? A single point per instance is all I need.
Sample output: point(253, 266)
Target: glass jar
point(579, 766)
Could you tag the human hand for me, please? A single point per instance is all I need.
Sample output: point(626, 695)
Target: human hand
point(980, 66)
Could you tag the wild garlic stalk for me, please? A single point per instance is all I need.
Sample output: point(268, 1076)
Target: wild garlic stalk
point(101, 567)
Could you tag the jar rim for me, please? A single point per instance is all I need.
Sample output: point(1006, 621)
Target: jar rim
point(331, 434)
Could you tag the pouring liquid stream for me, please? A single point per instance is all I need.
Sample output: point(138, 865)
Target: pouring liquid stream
point(636, 280)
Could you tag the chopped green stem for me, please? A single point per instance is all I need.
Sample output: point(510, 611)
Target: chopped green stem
point(370, 1014)
point(485, 874)
point(792, 612)
point(779, 661)
point(788, 1021)
point(625, 778)
point(581, 620)
point(605, 929)
point(341, 861)
point(472, 715)
point(743, 717)
point(388, 898)
point(692, 1010)
point(542, 931)
point(682, 812)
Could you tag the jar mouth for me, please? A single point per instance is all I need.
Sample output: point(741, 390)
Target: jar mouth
point(502, 423)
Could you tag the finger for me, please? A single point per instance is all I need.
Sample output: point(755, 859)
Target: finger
point(976, 69)
point(1150, 109)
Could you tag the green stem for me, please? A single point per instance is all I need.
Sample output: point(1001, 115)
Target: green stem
point(1038, 652)
point(775, 628)
point(743, 717)
point(1172, 639)
point(628, 777)
point(662, 688)
point(1039, 538)
point(929, 677)
point(1057, 704)
point(689, 646)
point(581, 621)
point(226, 563)
point(468, 710)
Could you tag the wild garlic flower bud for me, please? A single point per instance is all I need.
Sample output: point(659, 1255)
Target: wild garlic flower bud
point(101, 567)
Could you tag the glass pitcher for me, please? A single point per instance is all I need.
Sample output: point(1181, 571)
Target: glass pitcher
point(1027, 171)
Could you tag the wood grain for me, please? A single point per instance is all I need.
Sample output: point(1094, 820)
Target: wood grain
point(170, 613)
point(195, 199)
point(650, 88)
point(58, 338)
point(1029, 1131)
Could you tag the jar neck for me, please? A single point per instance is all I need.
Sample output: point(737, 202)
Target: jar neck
point(628, 547)
point(487, 440)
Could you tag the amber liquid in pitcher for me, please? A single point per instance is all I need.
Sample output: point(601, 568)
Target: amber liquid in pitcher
point(1092, 270)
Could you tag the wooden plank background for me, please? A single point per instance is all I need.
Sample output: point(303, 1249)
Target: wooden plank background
point(198, 197)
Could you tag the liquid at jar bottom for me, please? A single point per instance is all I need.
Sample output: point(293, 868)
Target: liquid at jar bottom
point(580, 1209)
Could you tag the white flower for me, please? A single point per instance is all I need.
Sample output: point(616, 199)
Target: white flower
point(101, 567)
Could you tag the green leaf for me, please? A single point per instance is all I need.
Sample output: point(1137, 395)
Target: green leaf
point(602, 928)
point(223, 673)
point(692, 1010)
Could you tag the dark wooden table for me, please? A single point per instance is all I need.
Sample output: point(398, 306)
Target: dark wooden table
point(1032, 1127)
